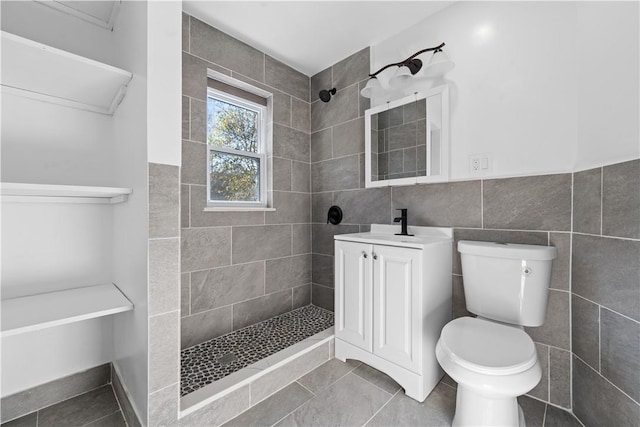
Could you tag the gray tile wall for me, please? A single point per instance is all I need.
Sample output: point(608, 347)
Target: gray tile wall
point(337, 167)
point(606, 295)
point(164, 283)
point(539, 213)
point(240, 268)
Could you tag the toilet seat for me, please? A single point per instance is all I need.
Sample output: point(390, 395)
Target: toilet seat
point(487, 347)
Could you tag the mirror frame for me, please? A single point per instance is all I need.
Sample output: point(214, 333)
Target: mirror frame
point(443, 91)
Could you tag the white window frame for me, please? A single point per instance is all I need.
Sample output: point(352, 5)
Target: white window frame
point(262, 111)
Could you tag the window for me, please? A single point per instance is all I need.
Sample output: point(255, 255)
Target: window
point(236, 149)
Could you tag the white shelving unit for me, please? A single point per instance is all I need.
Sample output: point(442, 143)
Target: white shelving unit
point(64, 313)
point(19, 192)
point(42, 72)
point(35, 312)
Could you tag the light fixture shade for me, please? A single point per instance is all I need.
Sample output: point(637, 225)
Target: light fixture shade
point(373, 88)
point(400, 78)
point(438, 65)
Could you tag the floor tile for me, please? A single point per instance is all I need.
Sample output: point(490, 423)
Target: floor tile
point(377, 378)
point(533, 411)
point(326, 374)
point(114, 420)
point(556, 417)
point(30, 420)
point(436, 410)
point(80, 410)
point(273, 408)
point(351, 401)
point(448, 380)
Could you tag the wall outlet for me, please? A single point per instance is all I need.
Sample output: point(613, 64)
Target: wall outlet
point(480, 163)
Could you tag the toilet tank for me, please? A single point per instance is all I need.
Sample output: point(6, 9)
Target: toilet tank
point(507, 282)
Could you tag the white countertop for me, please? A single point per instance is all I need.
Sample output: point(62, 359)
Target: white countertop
point(382, 234)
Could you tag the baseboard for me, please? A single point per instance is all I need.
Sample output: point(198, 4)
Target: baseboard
point(56, 391)
point(129, 410)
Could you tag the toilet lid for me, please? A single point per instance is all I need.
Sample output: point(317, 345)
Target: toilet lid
point(488, 347)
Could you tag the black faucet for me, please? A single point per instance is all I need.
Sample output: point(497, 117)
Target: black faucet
point(402, 219)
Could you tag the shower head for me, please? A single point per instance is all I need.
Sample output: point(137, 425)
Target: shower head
point(325, 95)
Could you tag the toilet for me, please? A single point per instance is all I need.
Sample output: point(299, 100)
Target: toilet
point(491, 357)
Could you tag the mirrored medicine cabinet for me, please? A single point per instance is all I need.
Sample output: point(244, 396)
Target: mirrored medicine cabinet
point(407, 140)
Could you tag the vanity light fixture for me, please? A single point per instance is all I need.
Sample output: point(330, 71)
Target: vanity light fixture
point(438, 65)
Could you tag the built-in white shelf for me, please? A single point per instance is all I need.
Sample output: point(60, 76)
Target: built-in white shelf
point(35, 312)
point(42, 72)
point(20, 192)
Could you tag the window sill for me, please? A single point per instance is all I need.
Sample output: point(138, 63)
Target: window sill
point(237, 209)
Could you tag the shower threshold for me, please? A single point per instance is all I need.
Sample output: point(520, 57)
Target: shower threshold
point(216, 367)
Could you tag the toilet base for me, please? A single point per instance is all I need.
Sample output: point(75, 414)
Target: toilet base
point(474, 409)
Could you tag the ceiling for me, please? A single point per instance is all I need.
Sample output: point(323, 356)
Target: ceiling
point(312, 35)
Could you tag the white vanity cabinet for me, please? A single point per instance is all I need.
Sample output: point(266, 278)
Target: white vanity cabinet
point(393, 296)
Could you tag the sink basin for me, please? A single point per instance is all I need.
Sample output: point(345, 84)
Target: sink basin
point(383, 234)
point(395, 238)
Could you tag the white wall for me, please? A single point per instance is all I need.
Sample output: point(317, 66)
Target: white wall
point(525, 74)
point(130, 220)
point(49, 26)
point(165, 82)
point(609, 91)
point(46, 143)
point(41, 356)
point(48, 247)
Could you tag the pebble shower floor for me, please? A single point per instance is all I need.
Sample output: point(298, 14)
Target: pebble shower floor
point(209, 361)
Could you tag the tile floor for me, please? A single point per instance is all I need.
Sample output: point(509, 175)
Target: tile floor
point(334, 394)
point(205, 363)
point(354, 394)
point(96, 408)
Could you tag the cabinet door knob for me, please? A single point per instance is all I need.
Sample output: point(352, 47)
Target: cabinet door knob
point(364, 254)
point(375, 256)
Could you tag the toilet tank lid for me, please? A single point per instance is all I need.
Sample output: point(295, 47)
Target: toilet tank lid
point(507, 250)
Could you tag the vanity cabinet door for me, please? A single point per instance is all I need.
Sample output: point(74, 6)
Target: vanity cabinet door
point(353, 268)
point(396, 305)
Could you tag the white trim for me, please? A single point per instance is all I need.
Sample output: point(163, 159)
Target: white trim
point(237, 209)
point(48, 193)
point(35, 312)
point(63, 73)
point(216, 75)
point(61, 7)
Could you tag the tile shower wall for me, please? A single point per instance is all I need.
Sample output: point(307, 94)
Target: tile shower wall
point(605, 295)
point(239, 268)
point(337, 166)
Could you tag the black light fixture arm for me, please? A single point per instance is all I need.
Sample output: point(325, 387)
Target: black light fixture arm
point(406, 61)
